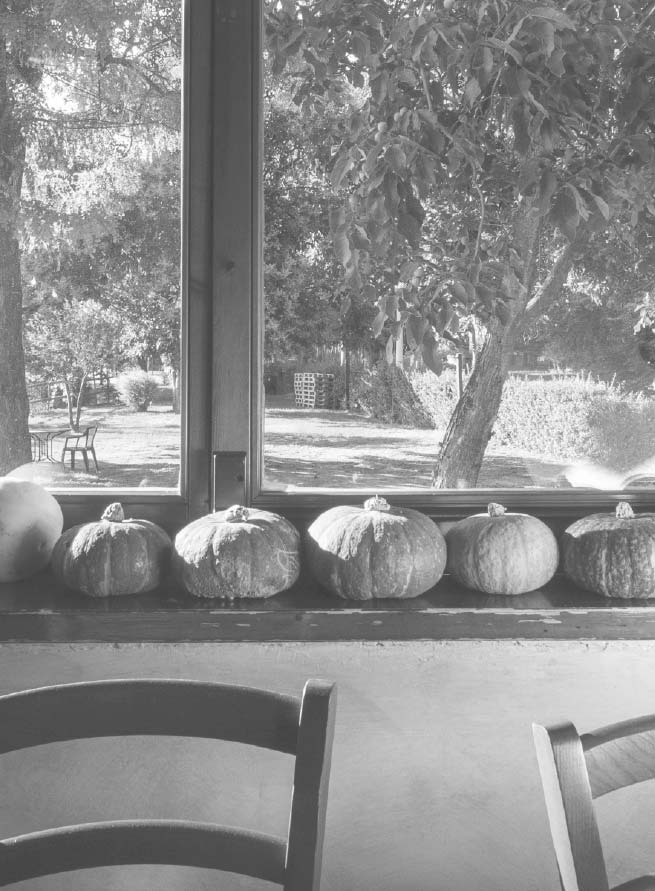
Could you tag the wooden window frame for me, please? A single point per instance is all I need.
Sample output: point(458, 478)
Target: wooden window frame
point(172, 510)
point(238, 419)
point(223, 312)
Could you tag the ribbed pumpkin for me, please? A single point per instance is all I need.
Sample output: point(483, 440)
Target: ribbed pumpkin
point(30, 523)
point(112, 556)
point(501, 552)
point(361, 553)
point(238, 552)
point(612, 554)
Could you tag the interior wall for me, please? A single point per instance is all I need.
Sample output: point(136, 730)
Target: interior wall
point(434, 783)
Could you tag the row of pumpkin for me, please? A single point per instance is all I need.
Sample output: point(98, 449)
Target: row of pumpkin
point(357, 553)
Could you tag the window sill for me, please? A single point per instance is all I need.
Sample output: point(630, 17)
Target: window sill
point(39, 610)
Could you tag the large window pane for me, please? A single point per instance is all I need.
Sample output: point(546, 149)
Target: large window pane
point(90, 223)
point(449, 218)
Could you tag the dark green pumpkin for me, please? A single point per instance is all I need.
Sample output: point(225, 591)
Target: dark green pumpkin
point(612, 554)
point(112, 556)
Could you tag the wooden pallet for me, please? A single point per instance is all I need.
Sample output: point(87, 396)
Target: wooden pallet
point(313, 390)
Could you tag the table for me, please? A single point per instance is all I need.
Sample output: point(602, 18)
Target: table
point(42, 444)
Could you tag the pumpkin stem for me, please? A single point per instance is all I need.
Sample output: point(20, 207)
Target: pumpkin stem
point(236, 514)
point(624, 511)
point(495, 510)
point(377, 503)
point(114, 512)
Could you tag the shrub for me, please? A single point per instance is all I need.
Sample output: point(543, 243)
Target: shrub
point(386, 394)
point(437, 394)
point(137, 388)
point(576, 418)
point(563, 419)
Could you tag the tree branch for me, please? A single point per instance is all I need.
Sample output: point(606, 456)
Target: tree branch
point(555, 280)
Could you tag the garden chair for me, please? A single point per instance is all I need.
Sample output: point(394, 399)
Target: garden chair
point(80, 442)
point(575, 769)
point(300, 726)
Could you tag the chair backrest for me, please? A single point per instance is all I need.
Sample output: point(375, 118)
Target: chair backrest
point(300, 726)
point(89, 434)
point(576, 769)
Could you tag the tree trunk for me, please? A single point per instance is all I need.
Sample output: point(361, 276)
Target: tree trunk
point(175, 389)
point(69, 405)
point(80, 403)
point(471, 424)
point(14, 405)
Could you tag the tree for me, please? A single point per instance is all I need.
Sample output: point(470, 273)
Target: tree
point(87, 89)
point(67, 341)
point(490, 131)
point(603, 316)
point(305, 305)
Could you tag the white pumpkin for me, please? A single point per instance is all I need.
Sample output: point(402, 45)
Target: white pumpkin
point(31, 521)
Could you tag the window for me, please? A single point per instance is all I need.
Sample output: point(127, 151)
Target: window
point(453, 223)
point(234, 363)
point(93, 205)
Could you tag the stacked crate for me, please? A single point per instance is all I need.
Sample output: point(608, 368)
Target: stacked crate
point(313, 390)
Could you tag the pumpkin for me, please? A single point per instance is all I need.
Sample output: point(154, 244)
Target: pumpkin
point(500, 552)
point(112, 556)
point(30, 523)
point(238, 552)
point(612, 554)
point(361, 553)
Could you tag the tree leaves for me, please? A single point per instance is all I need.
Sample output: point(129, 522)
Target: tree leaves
point(565, 215)
point(471, 119)
point(430, 354)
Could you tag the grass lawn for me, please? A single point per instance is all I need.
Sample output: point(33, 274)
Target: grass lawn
point(340, 449)
point(303, 448)
point(134, 449)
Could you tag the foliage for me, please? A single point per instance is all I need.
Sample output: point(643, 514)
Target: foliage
point(576, 418)
point(602, 318)
point(65, 341)
point(438, 395)
point(489, 134)
point(384, 392)
point(137, 388)
point(90, 93)
point(304, 305)
point(471, 111)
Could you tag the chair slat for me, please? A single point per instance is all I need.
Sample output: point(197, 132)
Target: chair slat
point(311, 777)
point(570, 808)
point(620, 754)
point(172, 842)
point(149, 707)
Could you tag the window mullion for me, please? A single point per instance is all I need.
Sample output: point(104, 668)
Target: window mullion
point(236, 132)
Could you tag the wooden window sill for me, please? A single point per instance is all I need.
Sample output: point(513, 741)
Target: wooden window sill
point(39, 610)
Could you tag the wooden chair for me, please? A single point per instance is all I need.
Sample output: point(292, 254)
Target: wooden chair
point(302, 727)
point(81, 442)
point(576, 769)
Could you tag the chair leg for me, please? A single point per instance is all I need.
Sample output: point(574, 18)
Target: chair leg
point(93, 452)
point(86, 460)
